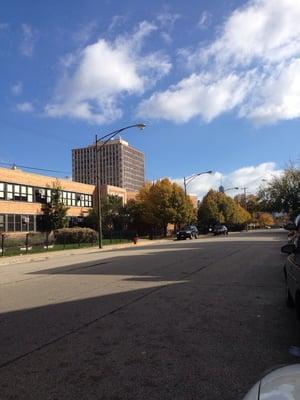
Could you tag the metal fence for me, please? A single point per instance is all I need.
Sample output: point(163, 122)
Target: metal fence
point(13, 244)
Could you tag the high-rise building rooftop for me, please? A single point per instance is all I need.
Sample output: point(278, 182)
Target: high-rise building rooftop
point(119, 165)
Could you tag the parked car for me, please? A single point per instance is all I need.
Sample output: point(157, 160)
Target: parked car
point(220, 230)
point(281, 383)
point(187, 232)
point(292, 275)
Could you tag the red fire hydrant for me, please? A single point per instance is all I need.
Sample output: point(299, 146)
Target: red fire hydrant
point(135, 239)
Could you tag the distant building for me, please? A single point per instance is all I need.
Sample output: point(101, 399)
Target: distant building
point(22, 195)
point(119, 165)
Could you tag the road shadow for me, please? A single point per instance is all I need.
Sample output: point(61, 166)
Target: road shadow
point(200, 325)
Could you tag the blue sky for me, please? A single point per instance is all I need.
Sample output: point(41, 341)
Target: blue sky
point(216, 82)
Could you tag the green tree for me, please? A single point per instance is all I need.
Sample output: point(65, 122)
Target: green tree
point(282, 193)
point(111, 212)
point(217, 208)
point(132, 218)
point(54, 212)
point(265, 219)
point(164, 202)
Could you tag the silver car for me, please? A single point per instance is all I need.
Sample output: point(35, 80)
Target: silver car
point(292, 265)
point(280, 384)
point(292, 275)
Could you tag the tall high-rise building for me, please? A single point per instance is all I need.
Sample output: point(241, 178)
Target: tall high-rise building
point(119, 165)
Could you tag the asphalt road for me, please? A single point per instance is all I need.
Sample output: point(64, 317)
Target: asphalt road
point(200, 319)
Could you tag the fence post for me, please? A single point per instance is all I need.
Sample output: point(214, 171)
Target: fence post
point(26, 242)
point(2, 244)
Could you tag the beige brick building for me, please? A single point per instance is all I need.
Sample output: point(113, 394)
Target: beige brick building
point(22, 195)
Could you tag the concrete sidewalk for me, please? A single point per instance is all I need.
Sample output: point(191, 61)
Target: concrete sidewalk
point(22, 258)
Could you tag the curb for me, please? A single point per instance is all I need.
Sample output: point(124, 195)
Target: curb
point(25, 258)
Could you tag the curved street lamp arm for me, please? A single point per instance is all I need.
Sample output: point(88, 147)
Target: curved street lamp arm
point(112, 134)
point(231, 188)
point(189, 179)
point(106, 139)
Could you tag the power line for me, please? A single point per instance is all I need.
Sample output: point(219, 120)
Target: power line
point(35, 168)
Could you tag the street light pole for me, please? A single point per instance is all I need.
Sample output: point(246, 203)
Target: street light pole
point(106, 139)
point(184, 183)
point(187, 180)
point(98, 195)
point(245, 197)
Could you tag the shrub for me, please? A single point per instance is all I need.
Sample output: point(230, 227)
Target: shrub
point(75, 235)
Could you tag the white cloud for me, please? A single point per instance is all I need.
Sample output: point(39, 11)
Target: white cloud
point(250, 177)
point(198, 95)
point(277, 97)
point(116, 21)
point(95, 79)
point(166, 21)
point(25, 107)
point(84, 33)
point(258, 46)
point(17, 88)
point(267, 30)
point(204, 20)
point(28, 40)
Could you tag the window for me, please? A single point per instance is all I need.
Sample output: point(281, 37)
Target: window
point(2, 194)
point(40, 195)
point(69, 199)
point(2, 223)
point(30, 194)
point(64, 198)
point(18, 225)
point(17, 192)
point(49, 195)
point(9, 192)
point(11, 223)
point(23, 193)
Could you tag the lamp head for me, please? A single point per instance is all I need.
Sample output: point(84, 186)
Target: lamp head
point(141, 126)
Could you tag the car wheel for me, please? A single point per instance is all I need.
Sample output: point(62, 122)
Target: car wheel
point(288, 297)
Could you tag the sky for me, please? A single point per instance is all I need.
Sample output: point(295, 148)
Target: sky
point(216, 82)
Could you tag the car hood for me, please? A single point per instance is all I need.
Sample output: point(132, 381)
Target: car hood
point(280, 384)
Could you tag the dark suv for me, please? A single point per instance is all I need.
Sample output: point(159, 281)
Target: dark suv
point(220, 230)
point(188, 232)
